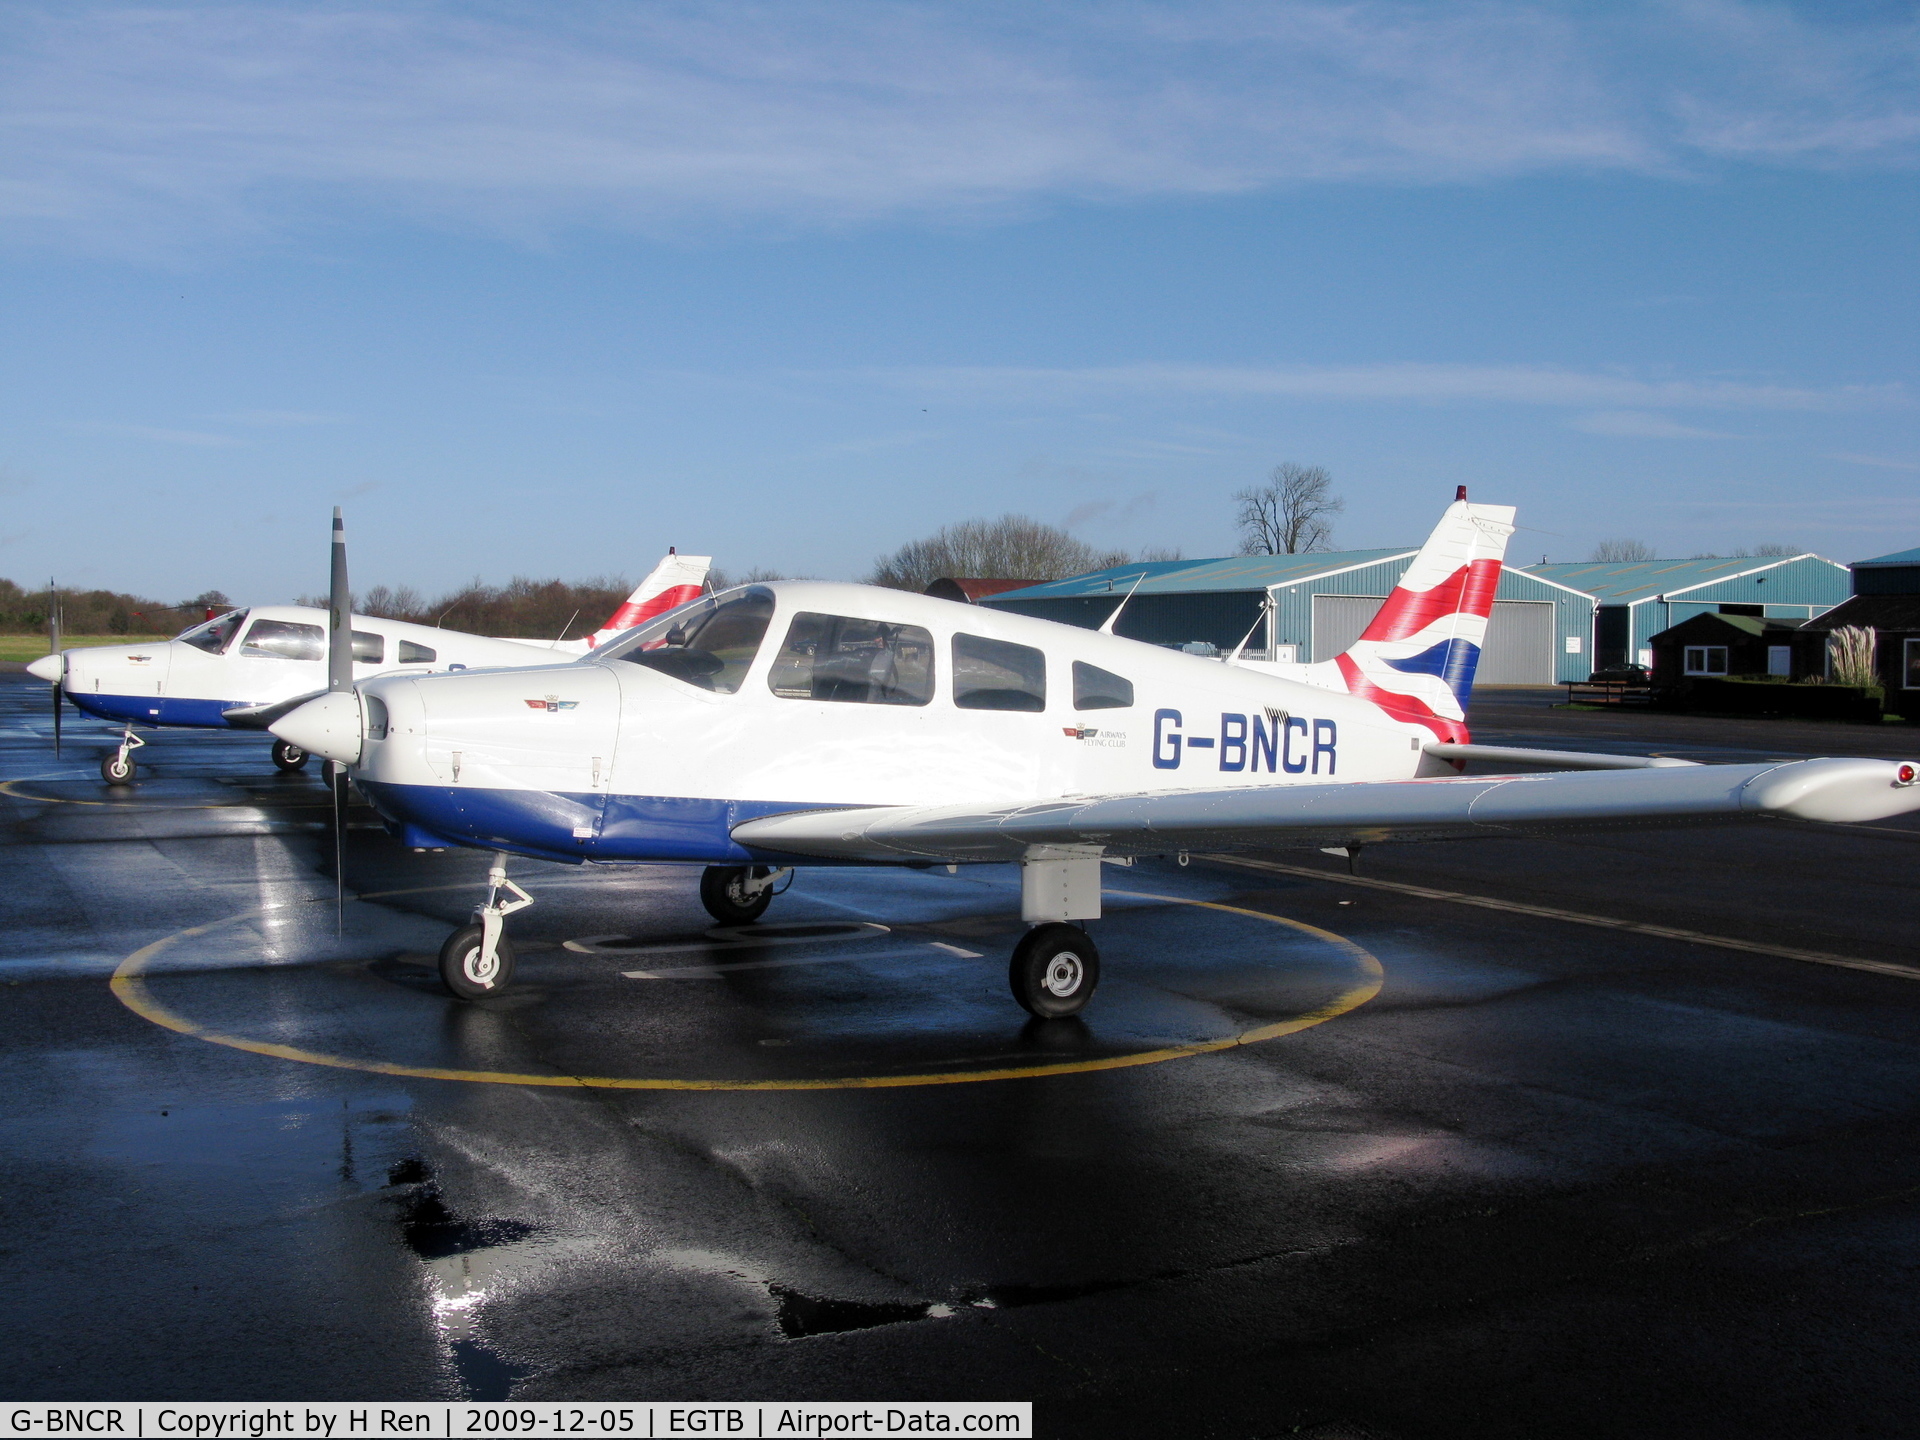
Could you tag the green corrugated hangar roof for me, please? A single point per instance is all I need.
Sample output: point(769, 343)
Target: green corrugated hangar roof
point(1622, 582)
point(1899, 557)
point(1235, 572)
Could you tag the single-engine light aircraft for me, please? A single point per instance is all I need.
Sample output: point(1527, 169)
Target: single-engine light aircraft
point(790, 724)
point(246, 668)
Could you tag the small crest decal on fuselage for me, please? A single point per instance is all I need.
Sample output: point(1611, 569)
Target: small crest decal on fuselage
point(551, 703)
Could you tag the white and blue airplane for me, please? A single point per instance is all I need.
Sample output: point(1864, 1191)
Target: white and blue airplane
point(790, 724)
point(246, 668)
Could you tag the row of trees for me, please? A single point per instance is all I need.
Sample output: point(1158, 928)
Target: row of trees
point(1627, 549)
point(1292, 513)
point(100, 612)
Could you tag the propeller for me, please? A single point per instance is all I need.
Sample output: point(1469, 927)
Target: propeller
point(339, 677)
point(58, 689)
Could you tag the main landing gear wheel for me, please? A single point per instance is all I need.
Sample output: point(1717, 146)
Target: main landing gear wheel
point(117, 769)
point(736, 894)
point(288, 758)
point(1054, 970)
point(466, 972)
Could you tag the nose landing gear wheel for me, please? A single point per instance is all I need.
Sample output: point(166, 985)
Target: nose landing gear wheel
point(1055, 968)
point(729, 896)
point(463, 971)
point(117, 769)
point(288, 758)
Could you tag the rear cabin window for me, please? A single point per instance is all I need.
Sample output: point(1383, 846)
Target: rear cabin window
point(213, 636)
point(998, 675)
point(863, 662)
point(710, 643)
point(369, 648)
point(1097, 689)
point(285, 640)
point(412, 654)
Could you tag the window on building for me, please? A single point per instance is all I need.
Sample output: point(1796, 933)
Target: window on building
point(412, 654)
point(213, 636)
point(285, 640)
point(856, 661)
point(1732, 608)
point(710, 643)
point(1910, 670)
point(998, 675)
point(1706, 660)
point(369, 648)
point(1780, 660)
point(1097, 689)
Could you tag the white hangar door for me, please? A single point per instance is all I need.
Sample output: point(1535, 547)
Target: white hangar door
point(1519, 648)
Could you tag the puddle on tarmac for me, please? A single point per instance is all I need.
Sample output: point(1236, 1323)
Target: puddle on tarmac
point(467, 1259)
point(802, 1315)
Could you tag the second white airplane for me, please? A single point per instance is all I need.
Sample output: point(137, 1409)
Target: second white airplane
point(246, 668)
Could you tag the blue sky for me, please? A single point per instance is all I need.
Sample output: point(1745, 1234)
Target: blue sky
point(545, 289)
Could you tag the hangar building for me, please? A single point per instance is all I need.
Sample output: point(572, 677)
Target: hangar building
point(1540, 631)
point(1637, 599)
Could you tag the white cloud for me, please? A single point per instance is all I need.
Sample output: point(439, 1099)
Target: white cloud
point(125, 126)
point(162, 435)
point(1438, 384)
point(278, 418)
point(1639, 425)
point(1881, 462)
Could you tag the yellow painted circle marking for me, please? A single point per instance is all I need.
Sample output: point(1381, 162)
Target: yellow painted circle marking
point(130, 988)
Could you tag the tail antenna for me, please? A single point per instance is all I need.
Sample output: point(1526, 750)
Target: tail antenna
point(1460, 492)
point(1106, 626)
point(1265, 606)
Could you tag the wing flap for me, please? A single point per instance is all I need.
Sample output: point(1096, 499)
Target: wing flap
point(1364, 813)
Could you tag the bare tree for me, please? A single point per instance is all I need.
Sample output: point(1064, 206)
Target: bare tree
point(1622, 550)
point(1293, 512)
point(1013, 547)
point(719, 579)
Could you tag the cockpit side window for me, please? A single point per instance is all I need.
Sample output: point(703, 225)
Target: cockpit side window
point(710, 643)
point(213, 636)
point(412, 654)
point(865, 662)
point(285, 640)
point(998, 675)
point(1097, 689)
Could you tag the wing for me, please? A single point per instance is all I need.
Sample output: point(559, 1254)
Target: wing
point(1363, 813)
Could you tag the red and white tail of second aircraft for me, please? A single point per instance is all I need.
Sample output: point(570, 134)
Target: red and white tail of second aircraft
point(675, 581)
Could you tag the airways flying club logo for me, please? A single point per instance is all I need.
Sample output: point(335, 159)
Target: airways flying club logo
point(551, 703)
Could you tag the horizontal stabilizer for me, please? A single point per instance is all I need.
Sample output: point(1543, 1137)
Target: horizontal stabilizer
point(259, 717)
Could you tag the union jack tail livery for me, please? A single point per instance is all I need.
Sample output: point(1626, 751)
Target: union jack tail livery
point(676, 580)
point(1417, 657)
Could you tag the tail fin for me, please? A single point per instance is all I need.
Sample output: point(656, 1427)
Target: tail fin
point(674, 581)
point(1417, 657)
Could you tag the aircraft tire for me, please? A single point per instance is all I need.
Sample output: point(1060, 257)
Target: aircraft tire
point(1054, 971)
point(722, 891)
point(117, 770)
point(288, 758)
point(460, 964)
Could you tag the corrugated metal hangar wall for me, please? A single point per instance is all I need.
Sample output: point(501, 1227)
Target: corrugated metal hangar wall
point(1539, 633)
point(1520, 635)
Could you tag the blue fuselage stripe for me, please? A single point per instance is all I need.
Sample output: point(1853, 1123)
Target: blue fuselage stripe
point(155, 709)
point(574, 827)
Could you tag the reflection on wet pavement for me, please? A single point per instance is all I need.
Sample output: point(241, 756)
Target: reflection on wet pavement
point(1550, 1181)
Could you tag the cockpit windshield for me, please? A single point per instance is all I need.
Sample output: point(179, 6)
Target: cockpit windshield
point(213, 636)
point(710, 643)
